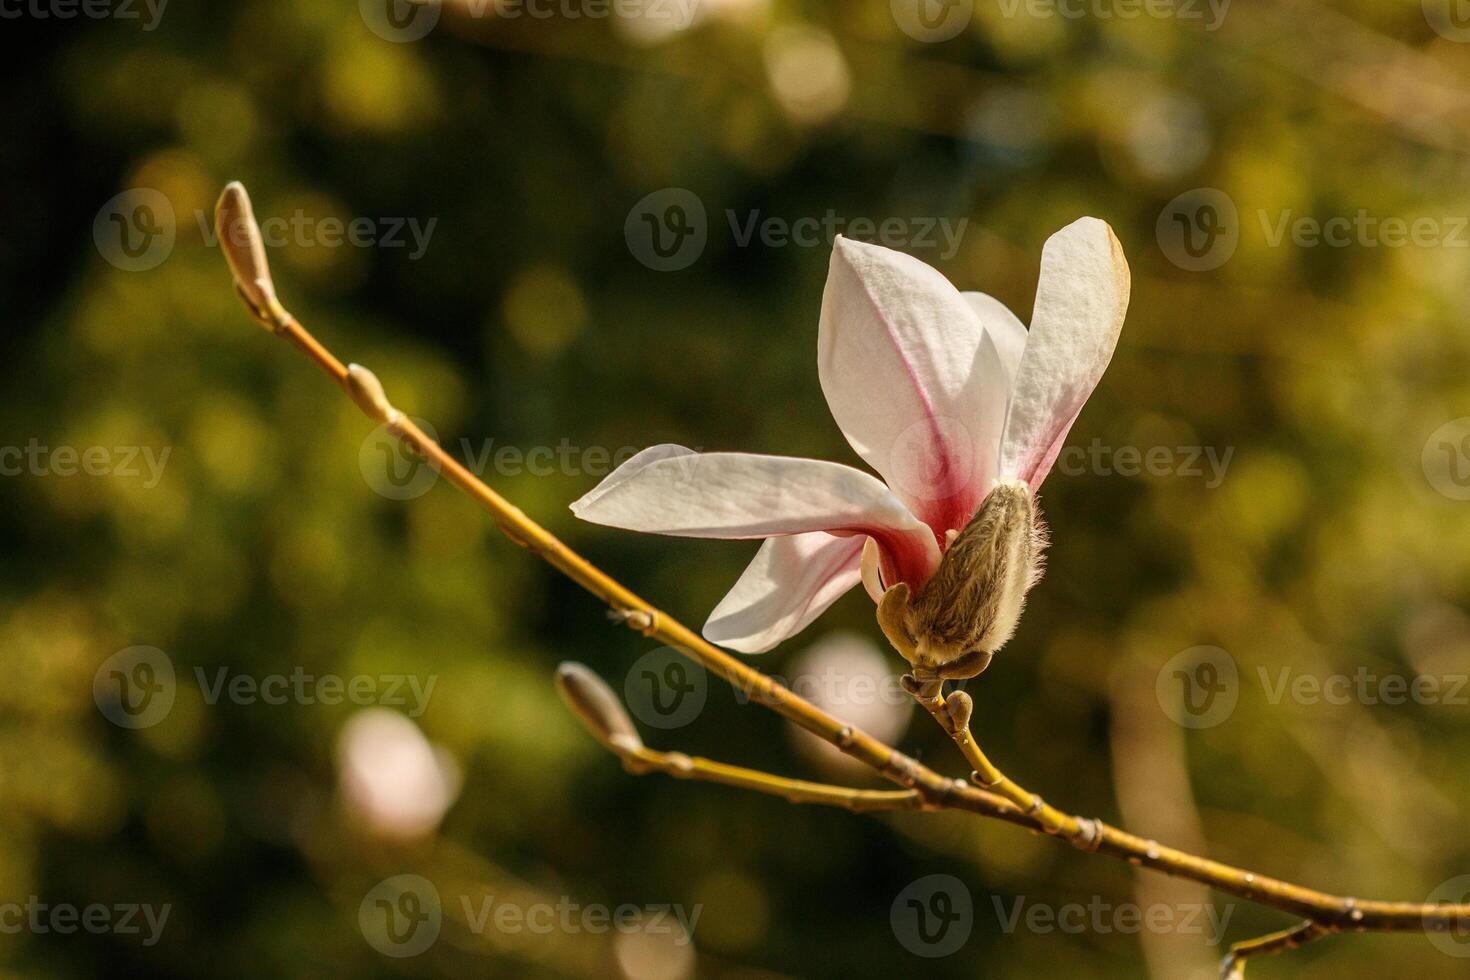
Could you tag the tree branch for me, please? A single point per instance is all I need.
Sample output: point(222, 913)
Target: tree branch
point(1233, 966)
point(241, 242)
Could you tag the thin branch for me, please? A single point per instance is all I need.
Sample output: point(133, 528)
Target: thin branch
point(600, 711)
point(240, 238)
point(1233, 966)
point(953, 714)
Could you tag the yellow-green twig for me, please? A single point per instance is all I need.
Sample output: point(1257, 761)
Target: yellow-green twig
point(240, 241)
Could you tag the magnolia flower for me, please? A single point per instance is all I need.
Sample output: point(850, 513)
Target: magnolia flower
point(957, 406)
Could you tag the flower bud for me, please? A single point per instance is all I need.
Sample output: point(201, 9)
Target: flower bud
point(239, 238)
point(594, 702)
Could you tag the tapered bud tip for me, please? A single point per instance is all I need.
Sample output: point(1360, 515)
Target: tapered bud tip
point(240, 240)
point(365, 389)
point(594, 702)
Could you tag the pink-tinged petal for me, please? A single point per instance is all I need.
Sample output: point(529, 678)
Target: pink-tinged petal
point(1081, 300)
point(912, 379)
point(670, 490)
point(792, 581)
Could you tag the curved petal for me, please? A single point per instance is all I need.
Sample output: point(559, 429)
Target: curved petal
point(1004, 328)
point(913, 382)
point(791, 582)
point(1081, 299)
point(671, 490)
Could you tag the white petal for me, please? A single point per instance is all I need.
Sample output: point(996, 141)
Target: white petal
point(1004, 328)
point(1081, 299)
point(670, 490)
point(912, 379)
point(792, 581)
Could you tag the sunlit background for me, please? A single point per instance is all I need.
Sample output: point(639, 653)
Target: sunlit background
point(1289, 182)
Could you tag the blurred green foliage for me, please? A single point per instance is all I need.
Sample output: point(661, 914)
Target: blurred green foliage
point(528, 320)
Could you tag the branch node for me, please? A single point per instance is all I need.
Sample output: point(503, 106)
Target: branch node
point(1089, 834)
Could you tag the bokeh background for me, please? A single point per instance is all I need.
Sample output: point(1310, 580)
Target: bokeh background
point(1335, 542)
